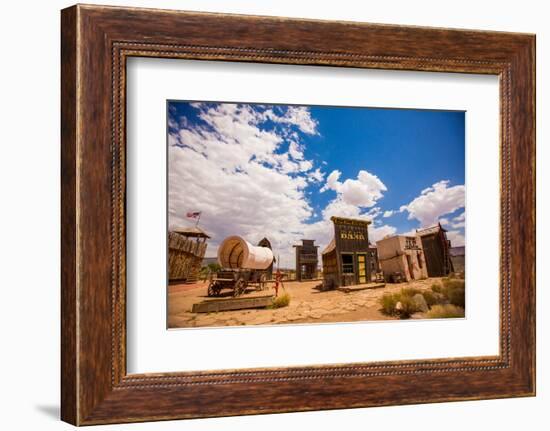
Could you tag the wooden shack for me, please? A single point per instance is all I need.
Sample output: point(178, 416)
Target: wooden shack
point(306, 260)
point(348, 259)
point(264, 242)
point(436, 250)
point(458, 258)
point(374, 262)
point(186, 250)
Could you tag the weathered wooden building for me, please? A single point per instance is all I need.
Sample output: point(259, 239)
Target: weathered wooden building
point(402, 258)
point(436, 250)
point(374, 262)
point(186, 250)
point(349, 258)
point(264, 242)
point(307, 260)
point(458, 258)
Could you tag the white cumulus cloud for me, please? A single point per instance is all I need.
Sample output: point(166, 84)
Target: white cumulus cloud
point(456, 222)
point(435, 201)
point(295, 151)
point(361, 192)
point(456, 237)
point(316, 176)
point(299, 116)
point(376, 233)
point(332, 181)
point(232, 169)
point(251, 179)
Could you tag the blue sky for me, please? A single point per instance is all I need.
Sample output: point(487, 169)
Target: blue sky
point(281, 171)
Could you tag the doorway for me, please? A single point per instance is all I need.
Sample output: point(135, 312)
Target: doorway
point(410, 265)
point(362, 268)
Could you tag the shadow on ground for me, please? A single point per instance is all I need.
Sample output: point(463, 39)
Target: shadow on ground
point(49, 410)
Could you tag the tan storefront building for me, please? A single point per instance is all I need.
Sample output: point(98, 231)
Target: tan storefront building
point(402, 257)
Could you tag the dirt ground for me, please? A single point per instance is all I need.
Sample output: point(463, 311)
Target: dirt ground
point(307, 305)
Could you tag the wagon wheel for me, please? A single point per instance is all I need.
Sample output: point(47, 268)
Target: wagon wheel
point(213, 288)
point(262, 282)
point(240, 286)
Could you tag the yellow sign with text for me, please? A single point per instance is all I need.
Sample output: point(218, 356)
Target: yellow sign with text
point(352, 235)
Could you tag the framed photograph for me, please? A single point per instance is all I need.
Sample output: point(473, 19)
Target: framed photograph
point(329, 214)
point(320, 224)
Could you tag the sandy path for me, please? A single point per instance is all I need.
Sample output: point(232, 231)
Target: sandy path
point(307, 305)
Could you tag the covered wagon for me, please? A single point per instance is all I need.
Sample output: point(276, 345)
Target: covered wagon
point(243, 265)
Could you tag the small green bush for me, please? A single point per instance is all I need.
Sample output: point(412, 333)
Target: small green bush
point(444, 300)
point(281, 301)
point(444, 311)
point(410, 291)
point(454, 290)
point(457, 297)
point(408, 307)
point(214, 267)
point(429, 297)
point(436, 288)
point(388, 302)
point(453, 283)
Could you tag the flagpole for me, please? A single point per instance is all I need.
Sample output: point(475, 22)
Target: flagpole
point(198, 219)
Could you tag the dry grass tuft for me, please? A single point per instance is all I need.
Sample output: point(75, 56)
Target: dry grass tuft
point(281, 301)
point(445, 311)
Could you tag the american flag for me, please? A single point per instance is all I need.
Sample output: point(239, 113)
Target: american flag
point(194, 214)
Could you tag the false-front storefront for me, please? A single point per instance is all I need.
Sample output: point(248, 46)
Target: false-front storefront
point(349, 258)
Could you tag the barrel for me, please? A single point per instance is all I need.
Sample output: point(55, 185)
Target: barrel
point(237, 253)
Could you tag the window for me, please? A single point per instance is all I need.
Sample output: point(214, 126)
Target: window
point(419, 258)
point(347, 264)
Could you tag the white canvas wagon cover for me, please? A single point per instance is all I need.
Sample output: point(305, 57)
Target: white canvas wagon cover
point(237, 253)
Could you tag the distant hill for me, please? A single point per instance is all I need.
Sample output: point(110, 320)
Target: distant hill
point(457, 251)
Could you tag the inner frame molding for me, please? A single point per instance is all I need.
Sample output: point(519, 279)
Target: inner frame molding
point(96, 42)
point(121, 52)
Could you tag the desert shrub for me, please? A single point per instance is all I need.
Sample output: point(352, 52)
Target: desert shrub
point(457, 296)
point(430, 298)
point(214, 267)
point(444, 311)
point(436, 287)
point(454, 290)
point(410, 291)
point(453, 283)
point(388, 302)
point(408, 307)
point(281, 301)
